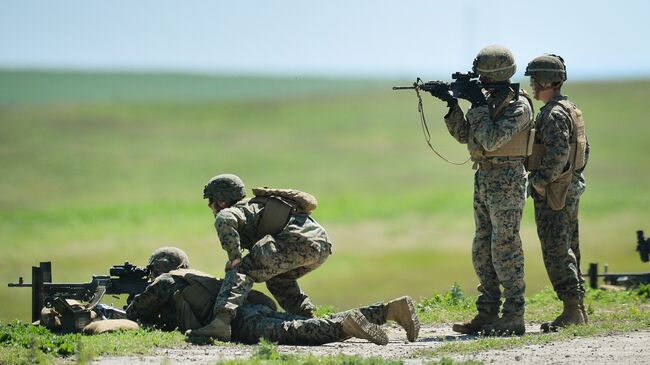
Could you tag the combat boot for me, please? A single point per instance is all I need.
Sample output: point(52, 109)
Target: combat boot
point(507, 325)
point(475, 325)
point(571, 315)
point(583, 310)
point(219, 328)
point(402, 311)
point(356, 325)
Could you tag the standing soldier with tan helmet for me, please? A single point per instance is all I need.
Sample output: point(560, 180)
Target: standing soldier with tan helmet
point(497, 131)
point(284, 243)
point(559, 157)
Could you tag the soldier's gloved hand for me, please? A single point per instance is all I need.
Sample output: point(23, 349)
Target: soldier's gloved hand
point(440, 90)
point(475, 96)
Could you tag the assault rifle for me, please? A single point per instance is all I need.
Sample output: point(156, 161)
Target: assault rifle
point(459, 88)
point(122, 279)
point(627, 280)
point(464, 83)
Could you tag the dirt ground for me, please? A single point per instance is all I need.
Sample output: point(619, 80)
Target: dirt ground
point(620, 349)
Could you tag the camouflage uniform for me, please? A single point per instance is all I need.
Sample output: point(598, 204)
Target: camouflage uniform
point(558, 229)
point(499, 196)
point(278, 260)
point(254, 321)
point(156, 305)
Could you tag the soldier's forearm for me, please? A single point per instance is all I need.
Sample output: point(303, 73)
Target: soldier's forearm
point(456, 124)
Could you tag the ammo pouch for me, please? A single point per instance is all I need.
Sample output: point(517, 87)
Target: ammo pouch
point(521, 145)
point(556, 191)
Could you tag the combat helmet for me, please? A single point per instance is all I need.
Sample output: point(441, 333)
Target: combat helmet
point(166, 259)
point(547, 69)
point(495, 63)
point(224, 188)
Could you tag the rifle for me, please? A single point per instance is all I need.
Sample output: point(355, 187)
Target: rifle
point(457, 89)
point(627, 280)
point(122, 279)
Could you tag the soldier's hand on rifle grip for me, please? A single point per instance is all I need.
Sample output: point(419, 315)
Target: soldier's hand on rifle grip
point(475, 96)
point(440, 91)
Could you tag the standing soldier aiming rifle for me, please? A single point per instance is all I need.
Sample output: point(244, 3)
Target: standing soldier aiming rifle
point(559, 157)
point(497, 131)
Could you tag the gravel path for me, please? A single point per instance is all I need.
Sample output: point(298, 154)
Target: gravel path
point(620, 349)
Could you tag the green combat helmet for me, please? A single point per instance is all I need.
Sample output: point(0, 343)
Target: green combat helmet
point(166, 259)
point(548, 68)
point(224, 188)
point(495, 63)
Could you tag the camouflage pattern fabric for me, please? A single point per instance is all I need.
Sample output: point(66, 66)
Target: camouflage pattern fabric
point(278, 260)
point(257, 321)
point(156, 305)
point(499, 197)
point(152, 307)
point(558, 229)
point(252, 321)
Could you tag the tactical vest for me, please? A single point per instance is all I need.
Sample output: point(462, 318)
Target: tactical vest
point(279, 205)
point(577, 142)
point(194, 302)
point(520, 145)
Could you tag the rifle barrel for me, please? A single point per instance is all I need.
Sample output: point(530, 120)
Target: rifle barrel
point(403, 87)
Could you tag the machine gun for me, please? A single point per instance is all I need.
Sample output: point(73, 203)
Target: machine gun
point(459, 88)
point(122, 279)
point(627, 280)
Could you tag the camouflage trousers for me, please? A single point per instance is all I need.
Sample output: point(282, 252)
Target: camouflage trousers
point(254, 321)
point(278, 261)
point(497, 255)
point(559, 237)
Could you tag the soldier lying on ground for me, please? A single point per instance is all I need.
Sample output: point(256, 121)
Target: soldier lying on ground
point(183, 298)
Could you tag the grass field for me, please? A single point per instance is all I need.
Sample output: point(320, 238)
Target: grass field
point(99, 168)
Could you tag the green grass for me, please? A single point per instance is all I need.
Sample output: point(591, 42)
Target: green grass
point(27, 344)
point(90, 180)
point(610, 312)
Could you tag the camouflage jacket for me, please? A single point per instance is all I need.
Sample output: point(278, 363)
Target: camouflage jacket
point(480, 132)
point(553, 129)
point(237, 227)
point(154, 306)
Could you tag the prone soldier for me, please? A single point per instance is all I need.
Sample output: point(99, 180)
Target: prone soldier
point(183, 298)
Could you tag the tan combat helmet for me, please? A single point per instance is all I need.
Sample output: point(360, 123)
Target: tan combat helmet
point(224, 188)
point(166, 259)
point(547, 69)
point(495, 63)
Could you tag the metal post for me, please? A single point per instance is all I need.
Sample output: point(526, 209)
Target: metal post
point(37, 285)
point(593, 275)
point(46, 271)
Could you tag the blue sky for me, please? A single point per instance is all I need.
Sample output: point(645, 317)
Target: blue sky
point(598, 39)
